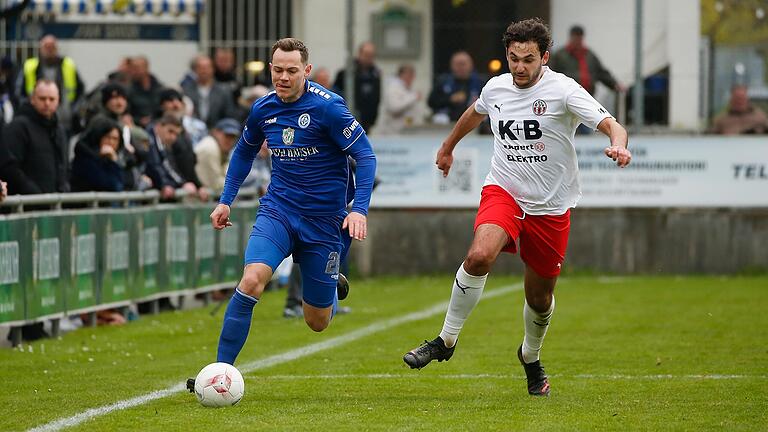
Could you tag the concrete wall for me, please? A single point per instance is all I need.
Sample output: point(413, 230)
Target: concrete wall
point(669, 241)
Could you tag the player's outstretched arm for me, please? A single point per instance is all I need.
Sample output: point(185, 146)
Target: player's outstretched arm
point(365, 175)
point(239, 166)
point(466, 124)
point(618, 150)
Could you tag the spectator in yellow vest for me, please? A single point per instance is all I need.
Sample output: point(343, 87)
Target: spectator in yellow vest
point(59, 69)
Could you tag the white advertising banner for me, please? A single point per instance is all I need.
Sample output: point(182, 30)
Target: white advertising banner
point(666, 171)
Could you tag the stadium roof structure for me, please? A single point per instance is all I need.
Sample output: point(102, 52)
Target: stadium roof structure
point(81, 10)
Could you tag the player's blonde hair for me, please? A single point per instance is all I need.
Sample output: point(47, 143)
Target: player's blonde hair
point(291, 44)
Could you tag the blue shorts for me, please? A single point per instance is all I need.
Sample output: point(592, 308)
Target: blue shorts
point(317, 243)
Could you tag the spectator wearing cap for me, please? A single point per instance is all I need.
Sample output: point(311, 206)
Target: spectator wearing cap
point(93, 104)
point(168, 168)
point(114, 103)
point(114, 106)
point(212, 100)
point(213, 153)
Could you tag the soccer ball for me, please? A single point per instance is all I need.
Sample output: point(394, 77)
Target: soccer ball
point(219, 384)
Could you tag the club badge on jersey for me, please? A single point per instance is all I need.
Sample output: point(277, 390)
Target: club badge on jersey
point(288, 136)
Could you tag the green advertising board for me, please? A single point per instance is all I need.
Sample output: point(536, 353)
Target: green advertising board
point(148, 228)
point(233, 241)
point(206, 268)
point(45, 295)
point(62, 261)
point(228, 251)
point(15, 258)
point(178, 263)
point(82, 262)
point(115, 249)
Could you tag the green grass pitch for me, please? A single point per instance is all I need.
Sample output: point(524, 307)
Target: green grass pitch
point(623, 353)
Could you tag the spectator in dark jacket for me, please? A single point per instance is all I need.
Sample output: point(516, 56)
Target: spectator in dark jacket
point(580, 63)
point(455, 91)
point(101, 162)
point(113, 103)
point(225, 70)
point(37, 144)
point(166, 169)
point(367, 85)
point(212, 100)
point(144, 93)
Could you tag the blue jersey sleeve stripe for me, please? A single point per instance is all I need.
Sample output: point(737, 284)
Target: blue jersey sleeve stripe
point(353, 142)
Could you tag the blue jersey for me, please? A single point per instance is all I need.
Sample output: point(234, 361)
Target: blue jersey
point(310, 140)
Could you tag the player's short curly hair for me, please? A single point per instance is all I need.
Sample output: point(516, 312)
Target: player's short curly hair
point(291, 44)
point(532, 29)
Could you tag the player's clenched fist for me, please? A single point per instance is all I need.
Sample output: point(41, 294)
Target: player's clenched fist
point(220, 217)
point(444, 161)
point(621, 155)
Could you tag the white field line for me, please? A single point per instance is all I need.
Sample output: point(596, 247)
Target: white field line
point(269, 361)
point(618, 377)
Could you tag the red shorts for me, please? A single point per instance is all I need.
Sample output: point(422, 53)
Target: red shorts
point(543, 239)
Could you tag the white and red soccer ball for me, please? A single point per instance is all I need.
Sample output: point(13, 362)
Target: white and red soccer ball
point(218, 385)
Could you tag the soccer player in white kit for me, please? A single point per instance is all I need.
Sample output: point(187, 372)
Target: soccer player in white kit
point(528, 193)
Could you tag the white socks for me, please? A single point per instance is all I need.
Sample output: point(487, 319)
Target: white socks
point(464, 297)
point(536, 325)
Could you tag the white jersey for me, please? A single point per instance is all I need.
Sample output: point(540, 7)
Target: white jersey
point(534, 158)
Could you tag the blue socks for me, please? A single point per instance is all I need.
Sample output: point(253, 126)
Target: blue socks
point(335, 304)
point(237, 323)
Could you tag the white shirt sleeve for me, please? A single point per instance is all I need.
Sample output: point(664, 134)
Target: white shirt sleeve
point(586, 108)
point(480, 103)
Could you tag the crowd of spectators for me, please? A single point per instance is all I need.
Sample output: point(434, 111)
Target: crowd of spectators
point(134, 132)
point(131, 132)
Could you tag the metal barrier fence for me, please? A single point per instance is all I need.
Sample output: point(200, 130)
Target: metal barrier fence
point(70, 261)
point(249, 28)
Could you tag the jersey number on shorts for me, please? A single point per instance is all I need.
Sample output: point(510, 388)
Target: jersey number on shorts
point(332, 266)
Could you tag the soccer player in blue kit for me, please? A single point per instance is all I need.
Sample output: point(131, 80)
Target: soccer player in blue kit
point(310, 132)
